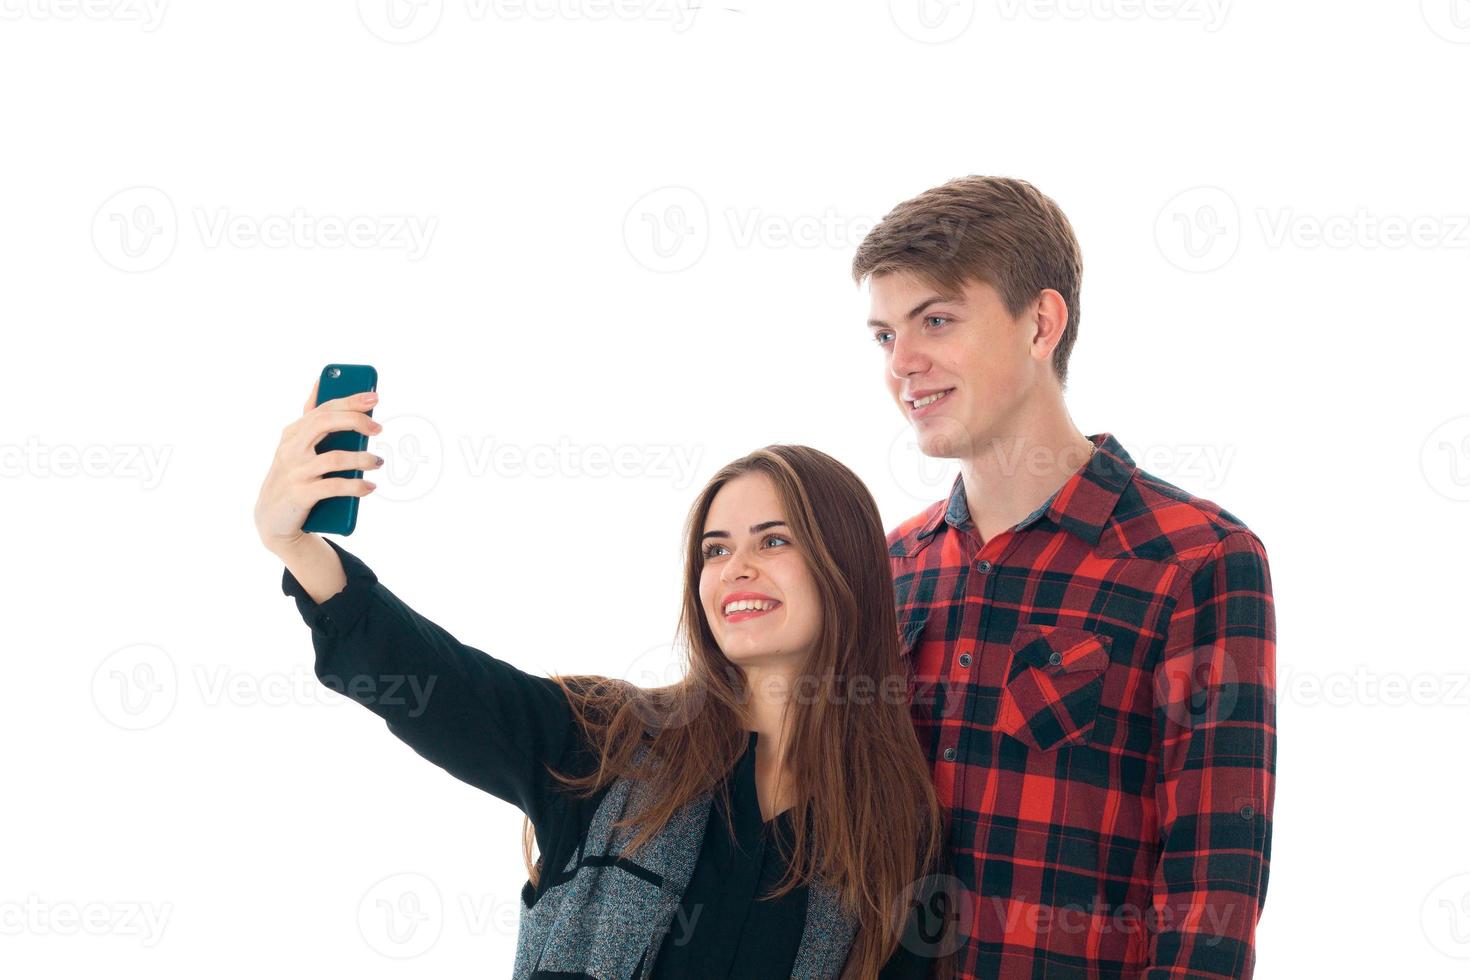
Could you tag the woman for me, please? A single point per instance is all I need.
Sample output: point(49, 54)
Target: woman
point(769, 815)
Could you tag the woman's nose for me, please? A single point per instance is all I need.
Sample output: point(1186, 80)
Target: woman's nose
point(737, 568)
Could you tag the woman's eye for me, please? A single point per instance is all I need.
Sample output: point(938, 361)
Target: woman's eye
point(709, 550)
point(776, 537)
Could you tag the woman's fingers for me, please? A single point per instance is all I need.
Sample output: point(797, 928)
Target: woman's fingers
point(341, 460)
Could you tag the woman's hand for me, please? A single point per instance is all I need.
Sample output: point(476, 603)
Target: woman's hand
point(294, 483)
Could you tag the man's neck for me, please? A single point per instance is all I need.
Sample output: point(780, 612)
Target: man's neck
point(1011, 475)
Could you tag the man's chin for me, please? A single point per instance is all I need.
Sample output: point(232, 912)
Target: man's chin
point(943, 438)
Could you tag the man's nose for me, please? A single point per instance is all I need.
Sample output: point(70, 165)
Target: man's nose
point(907, 358)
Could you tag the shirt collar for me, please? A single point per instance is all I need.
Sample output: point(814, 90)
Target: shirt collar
point(1083, 505)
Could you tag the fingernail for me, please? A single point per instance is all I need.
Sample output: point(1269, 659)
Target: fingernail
point(370, 397)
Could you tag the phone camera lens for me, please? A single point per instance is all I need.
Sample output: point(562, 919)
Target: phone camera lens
point(334, 372)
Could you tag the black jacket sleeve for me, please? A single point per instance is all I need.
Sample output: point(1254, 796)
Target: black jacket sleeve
point(481, 719)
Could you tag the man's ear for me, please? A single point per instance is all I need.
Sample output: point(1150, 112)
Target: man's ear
point(1048, 312)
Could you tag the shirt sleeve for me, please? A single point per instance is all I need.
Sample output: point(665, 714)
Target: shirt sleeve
point(1215, 715)
point(481, 719)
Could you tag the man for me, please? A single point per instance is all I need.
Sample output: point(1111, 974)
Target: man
point(1091, 649)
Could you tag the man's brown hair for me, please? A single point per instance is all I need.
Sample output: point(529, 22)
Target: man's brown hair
point(998, 230)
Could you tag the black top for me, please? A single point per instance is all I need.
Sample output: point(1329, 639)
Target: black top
point(493, 726)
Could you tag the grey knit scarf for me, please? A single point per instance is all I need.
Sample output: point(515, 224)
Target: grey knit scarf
point(612, 910)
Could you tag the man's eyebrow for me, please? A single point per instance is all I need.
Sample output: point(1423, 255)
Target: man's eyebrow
point(920, 308)
point(754, 529)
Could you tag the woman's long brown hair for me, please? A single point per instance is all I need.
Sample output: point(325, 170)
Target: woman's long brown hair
point(857, 771)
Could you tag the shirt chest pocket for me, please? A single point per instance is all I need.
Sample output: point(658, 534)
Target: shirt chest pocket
point(1053, 686)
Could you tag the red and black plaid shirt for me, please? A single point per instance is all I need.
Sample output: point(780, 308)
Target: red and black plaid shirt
point(1095, 691)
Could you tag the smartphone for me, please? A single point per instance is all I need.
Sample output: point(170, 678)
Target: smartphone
point(338, 515)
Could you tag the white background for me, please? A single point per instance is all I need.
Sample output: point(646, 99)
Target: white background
point(634, 230)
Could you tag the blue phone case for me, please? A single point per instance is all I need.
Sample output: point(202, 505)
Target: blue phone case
point(338, 515)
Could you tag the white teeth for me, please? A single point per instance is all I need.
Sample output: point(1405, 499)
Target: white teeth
point(929, 399)
point(744, 604)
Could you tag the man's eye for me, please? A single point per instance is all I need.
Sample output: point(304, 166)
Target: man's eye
point(878, 337)
point(936, 317)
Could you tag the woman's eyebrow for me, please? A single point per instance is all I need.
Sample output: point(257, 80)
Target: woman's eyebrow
point(754, 529)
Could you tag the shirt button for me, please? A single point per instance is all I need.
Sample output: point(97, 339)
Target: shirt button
point(1247, 811)
point(323, 620)
point(984, 565)
point(964, 660)
point(1055, 659)
point(949, 754)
